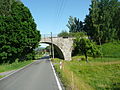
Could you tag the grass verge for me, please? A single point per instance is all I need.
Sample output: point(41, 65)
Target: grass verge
point(98, 74)
point(14, 66)
point(1, 76)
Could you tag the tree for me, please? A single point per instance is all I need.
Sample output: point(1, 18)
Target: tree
point(5, 7)
point(77, 35)
point(87, 47)
point(75, 25)
point(116, 22)
point(95, 14)
point(88, 26)
point(27, 29)
point(63, 34)
point(100, 23)
point(18, 34)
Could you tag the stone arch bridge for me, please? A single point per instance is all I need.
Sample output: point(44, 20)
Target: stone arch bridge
point(63, 46)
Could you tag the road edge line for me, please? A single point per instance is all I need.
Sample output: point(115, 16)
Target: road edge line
point(58, 83)
point(16, 71)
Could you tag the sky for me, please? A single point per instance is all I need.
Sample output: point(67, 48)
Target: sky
point(52, 15)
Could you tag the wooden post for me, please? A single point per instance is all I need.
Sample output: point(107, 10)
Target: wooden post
point(60, 64)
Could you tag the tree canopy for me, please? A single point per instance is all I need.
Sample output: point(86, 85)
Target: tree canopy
point(102, 22)
point(86, 47)
point(63, 34)
point(18, 34)
point(74, 25)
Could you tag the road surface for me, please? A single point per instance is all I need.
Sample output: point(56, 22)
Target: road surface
point(38, 76)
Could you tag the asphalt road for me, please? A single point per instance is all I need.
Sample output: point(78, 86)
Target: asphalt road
point(38, 76)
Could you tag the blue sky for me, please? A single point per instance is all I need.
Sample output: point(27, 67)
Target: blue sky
point(52, 15)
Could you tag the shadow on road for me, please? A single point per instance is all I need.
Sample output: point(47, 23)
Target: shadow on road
point(45, 57)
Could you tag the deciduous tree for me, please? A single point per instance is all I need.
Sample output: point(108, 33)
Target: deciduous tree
point(87, 47)
point(75, 25)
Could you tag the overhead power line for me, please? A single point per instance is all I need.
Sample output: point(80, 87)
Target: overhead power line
point(60, 9)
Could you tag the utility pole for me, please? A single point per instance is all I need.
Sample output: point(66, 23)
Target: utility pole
point(50, 50)
point(52, 47)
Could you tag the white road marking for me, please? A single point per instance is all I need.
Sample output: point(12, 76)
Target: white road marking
point(58, 83)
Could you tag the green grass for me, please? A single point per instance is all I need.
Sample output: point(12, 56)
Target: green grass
point(56, 60)
point(95, 75)
point(1, 76)
point(105, 59)
point(99, 74)
point(111, 49)
point(13, 66)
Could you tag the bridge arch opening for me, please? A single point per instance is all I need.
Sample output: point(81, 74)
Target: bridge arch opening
point(57, 51)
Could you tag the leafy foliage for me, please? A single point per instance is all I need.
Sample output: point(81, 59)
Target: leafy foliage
point(5, 7)
point(71, 34)
point(102, 22)
point(18, 34)
point(63, 34)
point(86, 46)
point(111, 50)
point(74, 25)
point(14, 66)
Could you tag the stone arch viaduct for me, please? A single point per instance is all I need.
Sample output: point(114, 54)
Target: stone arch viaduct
point(62, 45)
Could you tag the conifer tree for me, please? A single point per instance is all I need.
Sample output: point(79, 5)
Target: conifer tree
point(18, 34)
